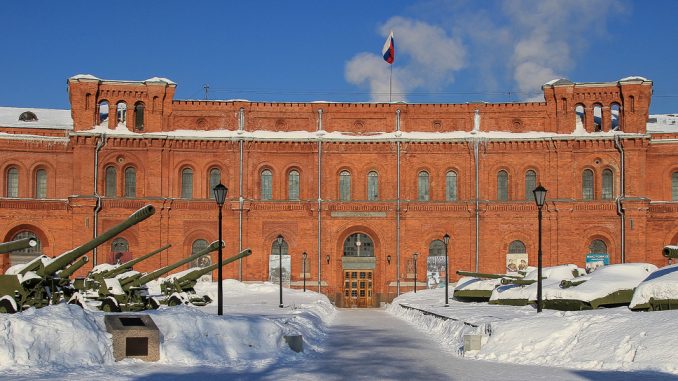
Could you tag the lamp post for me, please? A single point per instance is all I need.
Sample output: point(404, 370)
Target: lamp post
point(280, 240)
point(539, 198)
point(446, 241)
point(415, 255)
point(304, 255)
point(220, 192)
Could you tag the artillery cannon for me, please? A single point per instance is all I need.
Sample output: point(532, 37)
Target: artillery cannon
point(19, 244)
point(179, 288)
point(128, 291)
point(670, 252)
point(478, 287)
point(112, 271)
point(36, 284)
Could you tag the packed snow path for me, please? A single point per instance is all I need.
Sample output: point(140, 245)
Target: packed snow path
point(361, 344)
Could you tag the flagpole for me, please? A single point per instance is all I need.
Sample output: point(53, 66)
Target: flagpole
point(390, 76)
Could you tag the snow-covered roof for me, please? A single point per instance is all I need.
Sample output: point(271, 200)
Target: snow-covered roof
point(84, 76)
point(47, 118)
point(662, 123)
point(150, 80)
point(633, 78)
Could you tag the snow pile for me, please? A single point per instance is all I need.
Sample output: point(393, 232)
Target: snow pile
point(603, 339)
point(602, 282)
point(62, 334)
point(661, 284)
point(248, 335)
point(476, 284)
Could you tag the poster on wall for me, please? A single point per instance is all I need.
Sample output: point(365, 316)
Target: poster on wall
point(516, 262)
point(594, 261)
point(274, 269)
point(435, 271)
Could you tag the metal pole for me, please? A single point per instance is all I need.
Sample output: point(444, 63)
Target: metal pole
point(304, 272)
point(415, 274)
point(220, 294)
point(539, 264)
point(280, 272)
point(447, 279)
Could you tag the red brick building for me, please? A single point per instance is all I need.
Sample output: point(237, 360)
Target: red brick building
point(359, 187)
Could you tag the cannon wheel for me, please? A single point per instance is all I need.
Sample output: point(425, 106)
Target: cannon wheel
point(109, 305)
point(174, 301)
point(6, 307)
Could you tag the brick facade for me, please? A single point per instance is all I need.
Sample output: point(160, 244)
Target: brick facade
point(319, 141)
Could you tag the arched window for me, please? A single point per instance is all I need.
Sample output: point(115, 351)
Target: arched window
point(372, 186)
point(597, 246)
point(119, 248)
point(345, 186)
point(597, 118)
point(187, 183)
point(121, 115)
point(266, 185)
point(502, 186)
point(615, 115)
point(28, 116)
point(516, 259)
point(279, 250)
point(674, 186)
point(358, 245)
point(139, 116)
point(530, 184)
point(111, 182)
point(435, 263)
point(12, 182)
point(203, 260)
point(580, 116)
point(517, 247)
point(293, 185)
point(423, 186)
point(25, 255)
point(587, 184)
point(215, 179)
point(608, 184)
point(451, 186)
point(41, 183)
point(102, 116)
point(130, 182)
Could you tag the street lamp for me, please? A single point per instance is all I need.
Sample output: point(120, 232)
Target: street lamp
point(415, 255)
point(280, 240)
point(446, 241)
point(220, 192)
point(304, 255)
point(539, 198)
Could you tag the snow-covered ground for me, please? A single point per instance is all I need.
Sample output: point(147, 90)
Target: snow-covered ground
point(602, 339)
point(67, 342)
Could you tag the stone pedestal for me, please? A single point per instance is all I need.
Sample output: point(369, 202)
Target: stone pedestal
point(134, 336)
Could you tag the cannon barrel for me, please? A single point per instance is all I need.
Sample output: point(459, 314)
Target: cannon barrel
point(159, 272)
point(198, 272)
point(567, 283)
point(18, 244)
point(670, 252)
point(127, 265)
point(64, 259)
point(65, 273)
point(486, 276)
point(519, 281)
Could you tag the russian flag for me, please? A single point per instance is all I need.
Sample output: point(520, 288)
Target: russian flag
point(389, 49)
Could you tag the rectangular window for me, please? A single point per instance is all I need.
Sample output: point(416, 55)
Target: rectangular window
point(451, 187)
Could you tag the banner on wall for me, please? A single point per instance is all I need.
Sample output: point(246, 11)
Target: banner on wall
point(274, 269)
point(435, 271)
point(594, 261)
point(516, 262)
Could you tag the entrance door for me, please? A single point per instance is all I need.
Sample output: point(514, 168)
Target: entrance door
point(357, 288)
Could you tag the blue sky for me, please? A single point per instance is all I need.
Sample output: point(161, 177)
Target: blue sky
point(446, 51)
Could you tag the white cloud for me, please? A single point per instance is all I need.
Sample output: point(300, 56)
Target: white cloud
point(426, 57)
